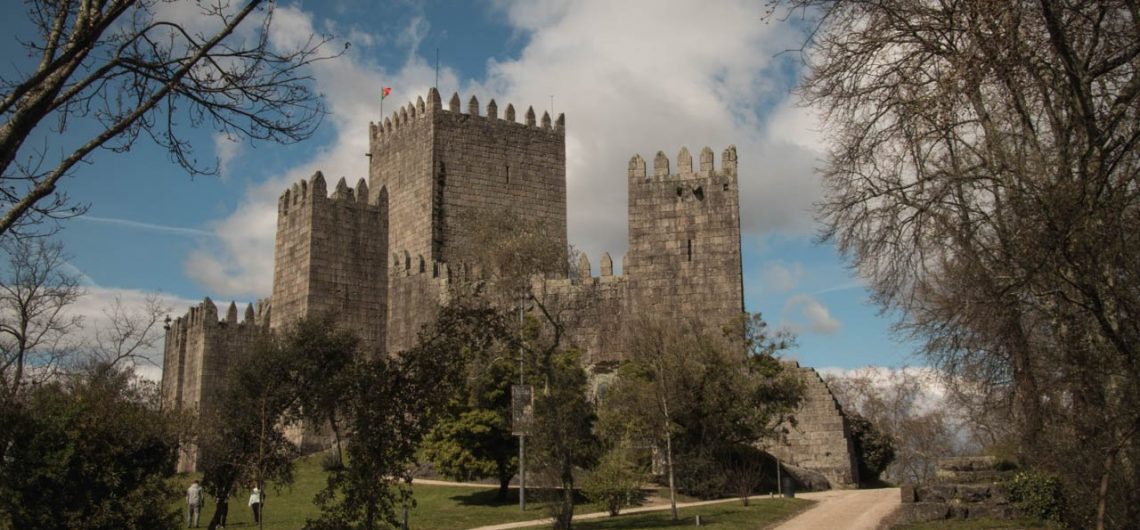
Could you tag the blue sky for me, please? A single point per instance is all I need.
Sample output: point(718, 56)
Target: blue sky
point(631, 77)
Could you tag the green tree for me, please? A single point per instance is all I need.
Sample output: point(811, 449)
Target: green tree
point(473, 438)
point(702, 395)
point(287, 378)
point(562, 433)
point(874, 450)
point(390, 405)
point(616, 481)
point(90, 450)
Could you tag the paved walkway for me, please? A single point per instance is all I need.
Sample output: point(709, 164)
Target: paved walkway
point(847, 509)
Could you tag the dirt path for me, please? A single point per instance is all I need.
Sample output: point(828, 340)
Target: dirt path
point(846, 509)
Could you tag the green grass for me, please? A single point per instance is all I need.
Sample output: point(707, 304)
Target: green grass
point(975, 524)
point(457, 507)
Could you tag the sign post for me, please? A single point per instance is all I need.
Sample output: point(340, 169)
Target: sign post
point(522, 415)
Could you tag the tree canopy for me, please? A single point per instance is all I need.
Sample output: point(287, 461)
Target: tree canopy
point(981, 175)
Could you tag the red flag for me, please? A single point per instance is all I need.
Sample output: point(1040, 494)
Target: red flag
point(384, 94)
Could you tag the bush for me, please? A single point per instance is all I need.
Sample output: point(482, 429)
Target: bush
point(615, 483)
point(1038, 495)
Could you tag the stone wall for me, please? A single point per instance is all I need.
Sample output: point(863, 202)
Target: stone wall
point(594, 310)
point(417, 288)
point(820, 440)
point(969, 487)
point(401, 164)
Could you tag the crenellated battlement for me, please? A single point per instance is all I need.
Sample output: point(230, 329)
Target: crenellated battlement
point(205, 314)
point(315, 190)
point(705, 169)
point(421, 111)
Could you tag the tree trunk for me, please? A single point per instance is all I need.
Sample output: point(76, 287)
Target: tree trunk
point(504, 488)
point(669, 460)
point(1102, 491)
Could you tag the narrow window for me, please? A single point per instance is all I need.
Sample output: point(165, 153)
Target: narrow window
point(508, 174)
point(690, 250)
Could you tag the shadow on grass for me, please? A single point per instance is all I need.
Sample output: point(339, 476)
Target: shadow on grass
point(656, 520)
point(489, 497)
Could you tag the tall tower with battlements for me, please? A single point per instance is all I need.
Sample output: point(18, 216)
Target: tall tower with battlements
point(684, 238)
point(329, 256)
point(439, 166)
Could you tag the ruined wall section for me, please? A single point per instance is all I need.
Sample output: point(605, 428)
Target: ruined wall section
point(684, 238)
point(198, 353)
point(593, 309)
point(330, 256)
point(485, 164)
point(821, 438)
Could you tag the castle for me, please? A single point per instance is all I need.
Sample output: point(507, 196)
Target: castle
point(380, 254)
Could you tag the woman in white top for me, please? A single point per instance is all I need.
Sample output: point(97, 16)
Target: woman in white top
point(256, 498)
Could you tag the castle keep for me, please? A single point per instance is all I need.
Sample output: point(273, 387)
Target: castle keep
point(381, 255)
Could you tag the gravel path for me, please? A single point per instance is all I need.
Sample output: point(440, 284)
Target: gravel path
point(845, 509)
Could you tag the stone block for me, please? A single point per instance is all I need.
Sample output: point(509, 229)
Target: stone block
point(921, 512)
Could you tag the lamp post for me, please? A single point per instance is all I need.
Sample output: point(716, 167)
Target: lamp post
point(522, 432)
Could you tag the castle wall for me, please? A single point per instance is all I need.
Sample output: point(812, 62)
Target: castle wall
point(594, 311)
point(331, 256)
point(418, 289)
point(684, 238)
point(820, 440)
point(199, 350)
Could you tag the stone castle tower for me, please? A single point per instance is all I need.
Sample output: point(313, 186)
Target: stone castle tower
point(378, 254)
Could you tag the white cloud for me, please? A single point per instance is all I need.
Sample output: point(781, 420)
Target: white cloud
point(924, 385)
point(226, 148)
point(638, 77)
point(781, 277)
point(803, 309)
point(631, 77)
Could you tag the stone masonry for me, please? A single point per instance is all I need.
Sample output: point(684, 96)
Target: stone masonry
point(820, 438)
point(380, 255)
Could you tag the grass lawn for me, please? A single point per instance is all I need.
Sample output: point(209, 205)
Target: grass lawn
point(728, 516)
point(456, 507)
point(976, 524)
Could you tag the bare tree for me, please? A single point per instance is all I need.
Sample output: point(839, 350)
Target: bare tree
point(35, 292)
point(131, 332)
point(899, 404)
point(982, 177)
point(131, 68)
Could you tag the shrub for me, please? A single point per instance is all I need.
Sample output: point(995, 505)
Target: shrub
point(1038, 494)
point(615, 483)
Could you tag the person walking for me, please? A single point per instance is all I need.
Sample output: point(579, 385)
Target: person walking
point(256, 499)
point(222, 510)
point(194, 502)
